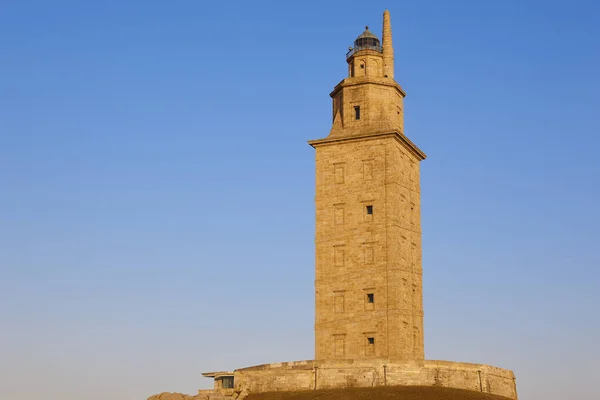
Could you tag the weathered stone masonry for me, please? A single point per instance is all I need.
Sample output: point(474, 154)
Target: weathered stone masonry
point(368, 283)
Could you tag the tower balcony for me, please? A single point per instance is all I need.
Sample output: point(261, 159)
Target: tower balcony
point(352, 50)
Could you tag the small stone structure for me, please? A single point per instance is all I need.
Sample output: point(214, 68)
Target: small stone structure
point(368, 274)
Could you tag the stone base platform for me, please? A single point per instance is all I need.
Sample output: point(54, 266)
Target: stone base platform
point(335, 374)
point(313, 375)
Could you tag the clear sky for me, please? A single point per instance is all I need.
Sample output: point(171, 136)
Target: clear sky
point(156, 187)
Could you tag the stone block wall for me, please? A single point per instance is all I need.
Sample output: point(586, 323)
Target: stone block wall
point(362, 255)
point(332, 374)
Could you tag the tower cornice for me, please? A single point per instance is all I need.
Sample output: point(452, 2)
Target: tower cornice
point(402, 139)
point(352, 54)
point(361, 80)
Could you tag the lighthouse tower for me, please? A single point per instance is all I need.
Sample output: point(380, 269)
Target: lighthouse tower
point(368, 283)
point(368, 272)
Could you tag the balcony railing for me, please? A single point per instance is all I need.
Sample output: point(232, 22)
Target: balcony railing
point(359, 48)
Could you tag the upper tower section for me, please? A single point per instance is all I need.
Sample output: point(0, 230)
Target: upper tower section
point(366, 46)
point(369, 101)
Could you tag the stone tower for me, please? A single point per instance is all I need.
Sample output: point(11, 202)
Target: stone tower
point(368, 286)
point(368, 283)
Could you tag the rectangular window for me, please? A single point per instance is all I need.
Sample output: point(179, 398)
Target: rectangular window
point(369, 299)
point(339, 342)
point(338, 256)
point(370, 346)
point(339, 302)
point(357, 112)
point(367, 170)
point(369, 254)
point(228, 382)
point(368, 212)
point(338, 216)
point(339, 173)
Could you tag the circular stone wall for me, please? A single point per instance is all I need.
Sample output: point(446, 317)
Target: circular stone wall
point(340, 374)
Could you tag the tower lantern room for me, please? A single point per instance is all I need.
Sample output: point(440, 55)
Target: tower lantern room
point(366, 57)
point(366, 41)
point(369, 56)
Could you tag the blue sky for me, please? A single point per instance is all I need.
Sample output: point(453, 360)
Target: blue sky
point(156, 187)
